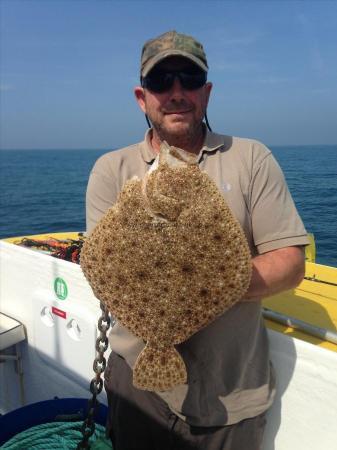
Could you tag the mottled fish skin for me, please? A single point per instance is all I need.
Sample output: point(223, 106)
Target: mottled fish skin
point(159, 368)
point(167, 259)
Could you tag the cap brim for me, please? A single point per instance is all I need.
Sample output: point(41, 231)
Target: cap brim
point(166, 54)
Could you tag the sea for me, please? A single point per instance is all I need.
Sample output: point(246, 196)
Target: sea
point(44, 191)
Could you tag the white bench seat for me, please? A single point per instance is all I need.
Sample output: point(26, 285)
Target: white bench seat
point(11, 332)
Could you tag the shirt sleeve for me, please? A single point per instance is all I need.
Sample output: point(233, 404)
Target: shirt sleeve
point(101, 195)
point(275, 220)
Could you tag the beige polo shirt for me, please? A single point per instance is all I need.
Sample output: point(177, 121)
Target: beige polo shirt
point(229, 374)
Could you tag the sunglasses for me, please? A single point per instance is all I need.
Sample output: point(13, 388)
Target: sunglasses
point(159, 81)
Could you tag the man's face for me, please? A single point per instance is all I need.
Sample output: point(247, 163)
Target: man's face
point(176, 113)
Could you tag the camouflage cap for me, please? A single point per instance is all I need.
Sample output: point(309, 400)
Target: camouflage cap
point(172, 44)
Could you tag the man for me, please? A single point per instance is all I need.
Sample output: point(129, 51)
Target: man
point(230, 382)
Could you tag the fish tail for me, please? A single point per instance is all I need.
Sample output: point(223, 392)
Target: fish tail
point(159, 369)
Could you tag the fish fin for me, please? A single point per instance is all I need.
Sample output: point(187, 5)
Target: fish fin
point(156, 202)
point(159, 369)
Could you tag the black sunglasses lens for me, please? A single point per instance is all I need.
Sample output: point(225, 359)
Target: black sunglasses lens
point(160, 81)
point(192, 81)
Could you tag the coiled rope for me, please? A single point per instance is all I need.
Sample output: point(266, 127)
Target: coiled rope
point(56, 436)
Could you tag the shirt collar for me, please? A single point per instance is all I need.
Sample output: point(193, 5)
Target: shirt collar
point(212, 142)
point(147, 151)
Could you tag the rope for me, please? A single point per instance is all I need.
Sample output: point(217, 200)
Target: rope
point(68, 249)
point(56, 436)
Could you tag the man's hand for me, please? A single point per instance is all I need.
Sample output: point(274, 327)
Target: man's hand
point(276, 271)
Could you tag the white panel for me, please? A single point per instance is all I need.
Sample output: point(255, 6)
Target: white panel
point(57, 361)
point(304, 414)
point(64, 337)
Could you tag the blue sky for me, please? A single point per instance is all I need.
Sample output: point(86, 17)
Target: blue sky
point(68, 69)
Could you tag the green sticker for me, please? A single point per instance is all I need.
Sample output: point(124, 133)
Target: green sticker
point(60, 288)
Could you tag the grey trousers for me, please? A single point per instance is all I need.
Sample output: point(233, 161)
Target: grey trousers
point(140, 420)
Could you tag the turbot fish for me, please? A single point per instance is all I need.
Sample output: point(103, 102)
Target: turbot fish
point(167, 259)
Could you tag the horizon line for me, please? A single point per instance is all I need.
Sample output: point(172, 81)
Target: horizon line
point(116, 148)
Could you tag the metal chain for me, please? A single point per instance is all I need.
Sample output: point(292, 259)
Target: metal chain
point(96, 384)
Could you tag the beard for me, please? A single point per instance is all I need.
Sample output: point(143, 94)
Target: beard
point(177, 132)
